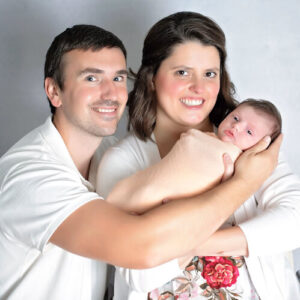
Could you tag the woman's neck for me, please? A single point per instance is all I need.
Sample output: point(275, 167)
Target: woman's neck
point(166, 136)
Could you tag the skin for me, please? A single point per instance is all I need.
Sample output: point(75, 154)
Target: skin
point(102, 231)
point(245, 126)
point(92, 100)
point(186, 85)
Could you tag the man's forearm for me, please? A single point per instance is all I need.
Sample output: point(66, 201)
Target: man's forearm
point(202, 216)
point(175, 176)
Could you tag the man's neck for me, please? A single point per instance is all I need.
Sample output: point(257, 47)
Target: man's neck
point(80, 145)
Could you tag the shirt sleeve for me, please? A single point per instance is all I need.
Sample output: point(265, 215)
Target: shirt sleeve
point(37, 196)
point(117, 164)
point(275, 228)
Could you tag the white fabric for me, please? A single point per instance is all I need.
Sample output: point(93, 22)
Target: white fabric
point(40, 188)
point(274, 211)
point(122, 161)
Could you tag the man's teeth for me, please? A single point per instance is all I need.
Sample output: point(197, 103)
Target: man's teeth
point(106, 110)
point(191, 102)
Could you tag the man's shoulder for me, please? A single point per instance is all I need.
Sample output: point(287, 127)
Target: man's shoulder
point(41, 149)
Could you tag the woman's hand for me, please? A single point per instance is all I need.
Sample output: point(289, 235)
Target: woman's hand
point(256, 164)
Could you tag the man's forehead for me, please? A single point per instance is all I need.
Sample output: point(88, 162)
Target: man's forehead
point(103, 58)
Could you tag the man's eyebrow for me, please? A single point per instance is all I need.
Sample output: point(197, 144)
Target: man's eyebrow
point(122, 72)
point(90, 70)
point(100, 71)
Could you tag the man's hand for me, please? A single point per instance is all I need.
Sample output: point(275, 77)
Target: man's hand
point(256, 164)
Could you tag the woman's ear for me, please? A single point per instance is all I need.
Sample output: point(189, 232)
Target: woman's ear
point(52, 92)
point(153, 84)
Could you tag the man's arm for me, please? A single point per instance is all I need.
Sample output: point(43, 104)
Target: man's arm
point(102, 231)
point(175, 176)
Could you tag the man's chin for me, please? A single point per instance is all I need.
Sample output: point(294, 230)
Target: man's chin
point(106, 132)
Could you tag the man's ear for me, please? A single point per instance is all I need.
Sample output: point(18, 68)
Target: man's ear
point(52, 92)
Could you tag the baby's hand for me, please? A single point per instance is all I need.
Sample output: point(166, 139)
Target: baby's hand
point(228, 167)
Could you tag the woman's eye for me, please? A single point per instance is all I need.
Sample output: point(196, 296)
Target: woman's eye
point(182, 73)
point(91, 78)
point(249, 132)
point(235, 118)
point(211, 74)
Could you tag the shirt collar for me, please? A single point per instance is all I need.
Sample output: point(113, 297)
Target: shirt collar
point(58, 146)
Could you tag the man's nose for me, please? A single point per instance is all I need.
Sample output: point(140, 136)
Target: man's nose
point(109, 90)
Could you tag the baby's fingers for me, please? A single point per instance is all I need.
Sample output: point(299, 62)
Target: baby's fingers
point(228, 167)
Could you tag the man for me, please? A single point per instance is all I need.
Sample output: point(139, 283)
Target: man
point(54, 227)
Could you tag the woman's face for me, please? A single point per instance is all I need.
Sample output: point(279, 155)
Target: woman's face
point(187, 84)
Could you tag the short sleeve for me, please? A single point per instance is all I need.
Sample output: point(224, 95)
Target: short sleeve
point(37, 197)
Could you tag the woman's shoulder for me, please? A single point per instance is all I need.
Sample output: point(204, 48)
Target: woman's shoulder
point(133, 147)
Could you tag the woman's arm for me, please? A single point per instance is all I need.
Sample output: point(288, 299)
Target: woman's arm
point(225, 242)
point(275, 228)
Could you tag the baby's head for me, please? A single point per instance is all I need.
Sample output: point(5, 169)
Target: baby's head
point(250, 122)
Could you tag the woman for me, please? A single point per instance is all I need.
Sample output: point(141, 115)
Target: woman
point(183, 83)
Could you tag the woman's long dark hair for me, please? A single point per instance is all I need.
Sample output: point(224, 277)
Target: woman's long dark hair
point(158, 45)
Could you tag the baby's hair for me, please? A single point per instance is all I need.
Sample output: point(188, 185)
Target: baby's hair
point(269, 109)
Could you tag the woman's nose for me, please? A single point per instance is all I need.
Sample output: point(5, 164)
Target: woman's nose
point(197, 85)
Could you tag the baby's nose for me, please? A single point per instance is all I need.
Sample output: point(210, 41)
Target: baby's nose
point(239, 126)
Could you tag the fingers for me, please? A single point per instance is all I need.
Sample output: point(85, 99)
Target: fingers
point(275, 146)
point(228, 167)
point(260, 146)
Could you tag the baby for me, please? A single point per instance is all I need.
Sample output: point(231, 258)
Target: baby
point(249, 123)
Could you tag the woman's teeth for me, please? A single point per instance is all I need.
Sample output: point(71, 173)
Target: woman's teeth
point(189, 102)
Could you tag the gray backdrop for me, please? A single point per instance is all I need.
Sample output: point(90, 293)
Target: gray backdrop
point(263, 42)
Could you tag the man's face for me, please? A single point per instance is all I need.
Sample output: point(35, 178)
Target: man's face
point(94, 91)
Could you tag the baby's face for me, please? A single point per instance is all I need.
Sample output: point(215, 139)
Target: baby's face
point(245, 126)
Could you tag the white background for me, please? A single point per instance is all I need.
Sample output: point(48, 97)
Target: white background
point(263, 43)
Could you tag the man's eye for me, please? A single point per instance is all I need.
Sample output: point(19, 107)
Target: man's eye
point(119, 78)
point(182, 73)
point(211, 74)
point(249, 132)
point(91, 78)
